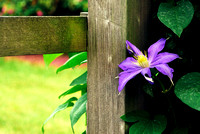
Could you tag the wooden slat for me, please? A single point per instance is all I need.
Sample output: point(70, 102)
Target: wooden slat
point(110, 24)
point(41, 35)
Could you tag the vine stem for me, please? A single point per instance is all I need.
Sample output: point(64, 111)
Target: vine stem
point(163, 87)
point(171, 108)
point(164, 90)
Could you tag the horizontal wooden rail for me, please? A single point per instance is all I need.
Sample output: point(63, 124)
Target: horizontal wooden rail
point(41, 35)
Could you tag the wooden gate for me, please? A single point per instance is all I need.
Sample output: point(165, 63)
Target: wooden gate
point(102, 34)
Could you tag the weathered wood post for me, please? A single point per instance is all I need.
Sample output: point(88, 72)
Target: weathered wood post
point(110, 24)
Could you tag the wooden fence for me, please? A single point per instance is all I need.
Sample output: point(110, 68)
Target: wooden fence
point(40, 35)
point(103, 34)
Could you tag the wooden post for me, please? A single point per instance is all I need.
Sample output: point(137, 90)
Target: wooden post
point(110, 24)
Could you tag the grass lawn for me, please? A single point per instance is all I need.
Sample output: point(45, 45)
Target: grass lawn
point(29, 94)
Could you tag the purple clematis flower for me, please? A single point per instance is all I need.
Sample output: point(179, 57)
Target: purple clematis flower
point(140, 63)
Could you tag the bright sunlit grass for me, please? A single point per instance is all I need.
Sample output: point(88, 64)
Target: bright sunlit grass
point(29, 94)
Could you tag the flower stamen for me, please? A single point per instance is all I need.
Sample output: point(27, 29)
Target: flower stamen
point(142, 60)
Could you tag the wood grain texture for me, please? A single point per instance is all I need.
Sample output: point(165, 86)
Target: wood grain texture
point(106, 49)
point(110, 24)
point(41, 35)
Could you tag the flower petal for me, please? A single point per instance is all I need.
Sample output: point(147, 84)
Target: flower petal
point(128, 63)
point(166, 70)
point(155, 49)
point(132, 48)
point(163, 58)
point(125, 76)
point(145, 72)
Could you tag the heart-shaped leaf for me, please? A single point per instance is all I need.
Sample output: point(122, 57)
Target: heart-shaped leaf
point(144, 124)
point(149, 126)
point(135, 116)
point(176, 17)
point(187, 89)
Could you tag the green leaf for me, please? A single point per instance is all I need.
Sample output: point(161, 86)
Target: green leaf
point(149, 126)
point(78, 110)
point(148, 89)
point(72, 54)
point(176, 17)
point(144, 124)
point(135, 116)
point(48, 58)
point(82, 79)
point(187, 89)
point(85, 61)
point(63, 106)
point(74, 89)
point(84, 132)
point(179, 130)
point(73, 61)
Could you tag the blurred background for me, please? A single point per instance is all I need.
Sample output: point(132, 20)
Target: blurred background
point(42, 7)
point(28, 89)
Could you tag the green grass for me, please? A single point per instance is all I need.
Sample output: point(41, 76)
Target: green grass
point(29, 94)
